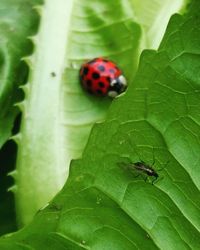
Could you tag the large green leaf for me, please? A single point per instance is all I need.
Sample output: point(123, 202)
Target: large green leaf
point(17, 21)
point(102, 205)
point(57, 113)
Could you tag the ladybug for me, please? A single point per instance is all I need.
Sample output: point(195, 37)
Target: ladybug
point(102, 77)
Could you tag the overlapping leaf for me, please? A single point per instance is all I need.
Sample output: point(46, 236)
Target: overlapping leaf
point(153, 17)
point(57, 114)
point(17, 22)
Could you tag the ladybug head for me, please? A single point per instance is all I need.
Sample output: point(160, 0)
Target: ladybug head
point(117, 86)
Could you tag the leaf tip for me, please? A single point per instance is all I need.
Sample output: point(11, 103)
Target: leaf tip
point(13, 174)
point(33, 39)
point(25, 88)
point(20, 105)
point(38, 9)
point(13, 189)
point(16, 138)
point(27, 60)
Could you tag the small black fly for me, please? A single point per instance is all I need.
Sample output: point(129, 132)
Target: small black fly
point(146, 169)
point(142, 168)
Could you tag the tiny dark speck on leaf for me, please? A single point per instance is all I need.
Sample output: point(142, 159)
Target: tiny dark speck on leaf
point(53, 74)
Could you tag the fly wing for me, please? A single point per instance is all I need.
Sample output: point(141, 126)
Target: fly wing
point(129, 167)
point(124, 165)
point(140, 166)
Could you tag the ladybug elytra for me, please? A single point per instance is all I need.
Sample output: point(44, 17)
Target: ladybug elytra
point(102, 77)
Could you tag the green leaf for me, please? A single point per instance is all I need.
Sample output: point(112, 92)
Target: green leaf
point(153, 16)
point(17, 22)
point(57, 114)
point(102, 205)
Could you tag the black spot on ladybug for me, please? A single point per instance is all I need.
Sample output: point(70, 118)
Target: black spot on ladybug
point(89, 83)
point(112, 71)
point(99, 92)
point(101, 84)
point(95, 75)
point(101, 68)
point(85, 71)
point(108, 79)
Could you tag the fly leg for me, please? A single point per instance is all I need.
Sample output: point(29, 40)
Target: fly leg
point(160, 169)
point(154, 160)
point(154, 180)
point(137, 175)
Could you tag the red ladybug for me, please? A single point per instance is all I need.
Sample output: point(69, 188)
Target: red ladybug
point(102, 77)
